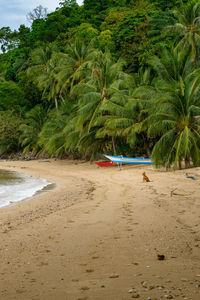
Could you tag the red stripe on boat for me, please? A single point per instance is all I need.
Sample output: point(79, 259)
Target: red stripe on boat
point(105, 164)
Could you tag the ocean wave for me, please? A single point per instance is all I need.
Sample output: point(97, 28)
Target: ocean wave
point(19, 187)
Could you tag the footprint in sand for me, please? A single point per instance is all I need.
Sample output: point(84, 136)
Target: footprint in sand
point(75, 280)
point(129, 229)
point(89, 271)
point(20, 291)
point(84, 288)
point(95, 257)
point(42, 264)
point(28, 272)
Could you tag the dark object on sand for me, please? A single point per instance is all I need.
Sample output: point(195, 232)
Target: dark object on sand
point(161, 257)
point(188, 176)
point(172, 193)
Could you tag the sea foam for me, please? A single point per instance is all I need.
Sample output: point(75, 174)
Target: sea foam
point(18, 187)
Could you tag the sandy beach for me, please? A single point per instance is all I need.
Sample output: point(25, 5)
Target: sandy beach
point(98, 234)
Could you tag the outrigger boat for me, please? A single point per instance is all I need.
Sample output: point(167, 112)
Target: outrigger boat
point(105, 164)
point(129, 160)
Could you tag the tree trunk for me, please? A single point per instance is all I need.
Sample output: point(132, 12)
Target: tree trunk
point(146, 145)
point(187, 162)
point(114, 146)
point(196, 58)
point(56, 103)
point(196, 50)
point(63, 100)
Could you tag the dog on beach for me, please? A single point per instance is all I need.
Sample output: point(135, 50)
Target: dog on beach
point(145, 177)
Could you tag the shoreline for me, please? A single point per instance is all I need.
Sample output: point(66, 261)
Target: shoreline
point(97, 235)
point(45, 186)
point(36, 194)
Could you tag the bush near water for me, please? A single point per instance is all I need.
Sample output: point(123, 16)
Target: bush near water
point(105, 77)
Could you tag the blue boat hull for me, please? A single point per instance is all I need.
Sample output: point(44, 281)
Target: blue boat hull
point(129, 160)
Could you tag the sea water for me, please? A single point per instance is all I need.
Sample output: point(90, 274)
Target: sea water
point(16, 187)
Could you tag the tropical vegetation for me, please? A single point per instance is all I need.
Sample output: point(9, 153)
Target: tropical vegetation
point(108, 77)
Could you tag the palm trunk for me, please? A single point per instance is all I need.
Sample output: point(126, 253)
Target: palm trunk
point(56, 103)
point(196, 57)
point(63, 100)
point(187, 162)
point(146, 145)
point(114, 146)
point(196, 50)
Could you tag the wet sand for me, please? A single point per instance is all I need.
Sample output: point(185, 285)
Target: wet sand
point(97, 235)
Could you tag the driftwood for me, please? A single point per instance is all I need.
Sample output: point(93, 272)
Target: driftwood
point(172, 193)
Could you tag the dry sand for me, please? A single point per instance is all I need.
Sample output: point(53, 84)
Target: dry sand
point(98, 234)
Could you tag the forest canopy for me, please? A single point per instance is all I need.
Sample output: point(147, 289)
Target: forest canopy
point(108, 77)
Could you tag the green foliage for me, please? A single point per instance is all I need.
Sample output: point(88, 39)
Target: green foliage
point(52, 137)
point(31, 128)
point(85, 32)
point(188, 26)
point(107, 77)
point(12, 97)
point(175, 110)
point(159, 37)
point(129, 28)
point(8, 39)
point(31, 92)
point(68, 3)
point(106, 41)
point(96, 5)
point(38, 27)
point(165, 4)
point(74, 62)
point(124, 115)
point(23, 36)
point(100, 5)
point(106, 74)
point(9, 132)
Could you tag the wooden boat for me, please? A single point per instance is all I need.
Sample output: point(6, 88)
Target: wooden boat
point(129, 160)
point(105, 164)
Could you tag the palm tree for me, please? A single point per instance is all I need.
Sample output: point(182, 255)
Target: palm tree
point(123, 113)
point(48, 80)
point(39, 60)
point(173, 118)
point(74, 63)
point(44, 68)
point(30, 129)
point(188, 26)
point(94, 90)
point(172, 65)
point(52, 137)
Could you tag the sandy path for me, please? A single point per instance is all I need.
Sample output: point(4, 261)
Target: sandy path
point(99, 224)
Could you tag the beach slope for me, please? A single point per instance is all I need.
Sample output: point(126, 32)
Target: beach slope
point(98, 235)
